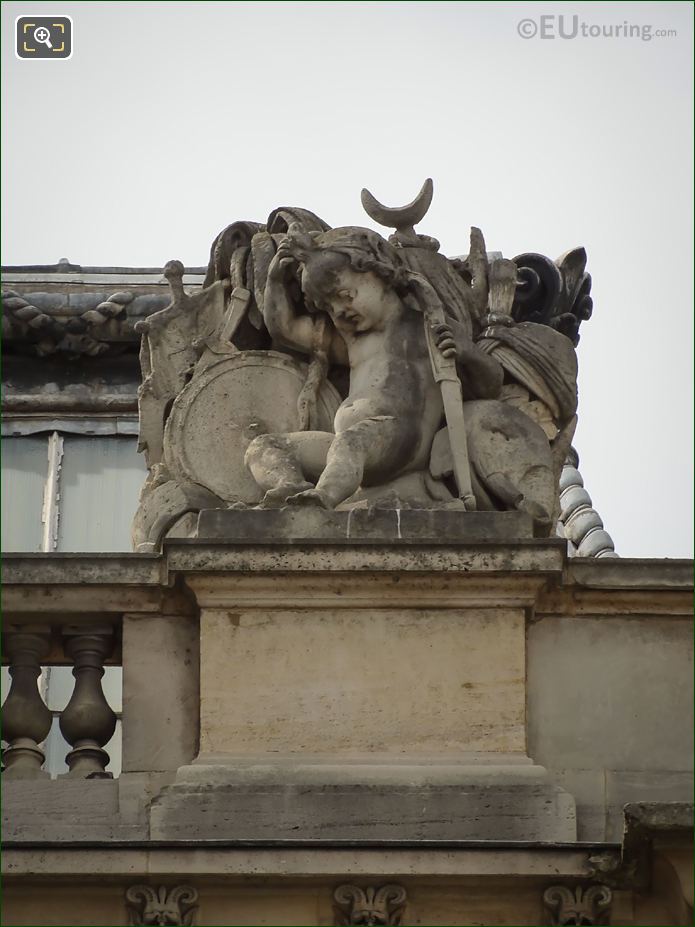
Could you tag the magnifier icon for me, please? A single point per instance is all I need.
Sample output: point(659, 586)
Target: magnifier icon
point(43, 36)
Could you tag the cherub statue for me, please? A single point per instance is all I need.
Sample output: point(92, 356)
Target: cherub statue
point(462, 386)
point(365, 311)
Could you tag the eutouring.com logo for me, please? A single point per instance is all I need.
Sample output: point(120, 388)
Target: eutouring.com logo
point(43, 38)
point(554, 26)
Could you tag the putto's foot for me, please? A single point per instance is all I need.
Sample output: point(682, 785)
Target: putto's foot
point(280, 495)
point(537, 512)
point(310, 497)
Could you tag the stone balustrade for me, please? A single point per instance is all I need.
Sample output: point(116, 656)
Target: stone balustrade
point(581, 524)
point(87, 722)
point(260, 784)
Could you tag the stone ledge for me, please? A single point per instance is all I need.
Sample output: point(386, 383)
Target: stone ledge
point(323, 858)
point(630, 573)
point(292, 525)
point(352, 803)
point(126, 569)
point(537, 557)
point(65, 809)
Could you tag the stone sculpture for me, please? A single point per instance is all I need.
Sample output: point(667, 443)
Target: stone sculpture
point(331, 367)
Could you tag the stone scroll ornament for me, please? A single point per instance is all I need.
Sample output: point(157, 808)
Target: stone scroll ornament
point(370, 905)
point(336, 368)
point(579, 906)
point(173, 906)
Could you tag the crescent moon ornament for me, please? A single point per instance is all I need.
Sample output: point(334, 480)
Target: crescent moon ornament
point(403, 218)
point(399, 217)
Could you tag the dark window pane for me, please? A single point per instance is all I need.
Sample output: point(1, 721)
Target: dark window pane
point(24, 470)
point(99, 487)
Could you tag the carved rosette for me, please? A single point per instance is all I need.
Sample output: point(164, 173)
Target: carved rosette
point(579, 905)
point(163, 906)
point(369, 905)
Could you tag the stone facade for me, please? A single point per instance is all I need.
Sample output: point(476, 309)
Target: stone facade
point(266, 818)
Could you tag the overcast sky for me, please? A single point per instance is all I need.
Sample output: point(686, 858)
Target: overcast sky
point(172, 120)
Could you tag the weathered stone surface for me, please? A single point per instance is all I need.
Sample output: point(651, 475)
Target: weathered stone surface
point(351, 802)
point(65, 809)
point(662, 787)
point(259, 391)
point(233, 863)
point(632, 738)
point(160, 691)
point(387, 526)
point(541, 559)
point(362, 680)
point(633, 677)
point(588, 788)
point(635, 573)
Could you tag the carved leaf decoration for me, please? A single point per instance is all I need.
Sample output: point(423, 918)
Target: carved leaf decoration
point(581, 906)
point(369, 906)
point(176, 906)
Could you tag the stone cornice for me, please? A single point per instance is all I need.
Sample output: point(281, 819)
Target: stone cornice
point(324, 858)
point(67, 311)
point(531, 574)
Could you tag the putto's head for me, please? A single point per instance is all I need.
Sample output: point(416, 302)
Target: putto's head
point(349, 273)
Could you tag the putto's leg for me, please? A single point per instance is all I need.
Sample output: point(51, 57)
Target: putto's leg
point(350, 452)
point(281, 463)
point(275, 467)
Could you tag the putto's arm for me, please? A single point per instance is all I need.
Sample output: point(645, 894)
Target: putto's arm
point(291, 330)
point(481, 376)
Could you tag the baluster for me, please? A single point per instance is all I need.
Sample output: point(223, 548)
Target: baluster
point(26, 720)
point(88, 721)
point(582, 523)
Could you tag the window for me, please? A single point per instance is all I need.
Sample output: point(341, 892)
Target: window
point(70, 490)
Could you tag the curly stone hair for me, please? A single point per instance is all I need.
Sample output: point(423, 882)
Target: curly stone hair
point(359, 249)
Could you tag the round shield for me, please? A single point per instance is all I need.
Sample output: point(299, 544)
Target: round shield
point(219, 413)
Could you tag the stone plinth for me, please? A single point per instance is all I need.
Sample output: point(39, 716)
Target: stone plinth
point(471, 800)
point(364, 667)
point(382, 526)
point(358, 659)
point(340, 680)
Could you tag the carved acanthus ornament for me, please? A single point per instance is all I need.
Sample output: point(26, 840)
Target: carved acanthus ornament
point(369, 905)
point(579, 905)
point(162, 906)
